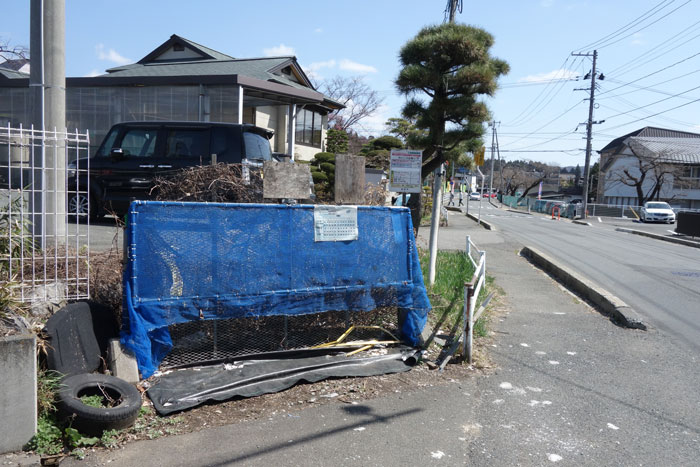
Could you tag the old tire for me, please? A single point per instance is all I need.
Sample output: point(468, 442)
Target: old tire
point(94, 420)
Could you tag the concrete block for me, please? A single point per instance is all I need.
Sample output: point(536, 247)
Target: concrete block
point(17, 391)
point(349, 179)
point(121, 363)
point(285, 180)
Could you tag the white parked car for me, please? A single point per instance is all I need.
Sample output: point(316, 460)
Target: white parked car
point(657, 211)
point(474, 196)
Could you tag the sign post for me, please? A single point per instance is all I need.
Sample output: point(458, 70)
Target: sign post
point(405, 171)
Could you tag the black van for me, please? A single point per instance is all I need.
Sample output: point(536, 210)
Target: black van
point(134, 153)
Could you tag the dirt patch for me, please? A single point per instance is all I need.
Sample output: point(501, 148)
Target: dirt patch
point(333, 391)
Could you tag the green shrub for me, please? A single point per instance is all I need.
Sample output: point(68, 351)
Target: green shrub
point(324, 157)
point(336, 141)
point(328, 168)
point(319, 177)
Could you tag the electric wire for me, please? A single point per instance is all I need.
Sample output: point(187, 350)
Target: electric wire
point(627, 66)
point(626, 27)
point(652, 73)
point(515, 119)
point(653, 115)
point(653, 103)
point(643, 28)
point(549, 122)
point(649, 88)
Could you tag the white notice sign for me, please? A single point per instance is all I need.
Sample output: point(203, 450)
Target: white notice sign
point(335, 223)
point(405, 171)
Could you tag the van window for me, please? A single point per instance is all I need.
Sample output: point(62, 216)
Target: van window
point(257, 147)
point(186, 143)
point(106, 147)
point(139, 142)
point(226, 144)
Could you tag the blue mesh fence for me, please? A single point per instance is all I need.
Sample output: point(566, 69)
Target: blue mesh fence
point(190, 262)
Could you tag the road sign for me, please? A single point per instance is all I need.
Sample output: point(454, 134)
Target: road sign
point(405, 171)
point(479, 156)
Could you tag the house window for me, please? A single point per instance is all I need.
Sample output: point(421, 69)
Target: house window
point(309, 128)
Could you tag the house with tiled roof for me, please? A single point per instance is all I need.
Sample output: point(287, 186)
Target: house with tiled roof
point(185, 81)
point(669, 156)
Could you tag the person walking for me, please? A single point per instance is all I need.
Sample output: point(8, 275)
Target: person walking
point(461, 194)
point(452, 193)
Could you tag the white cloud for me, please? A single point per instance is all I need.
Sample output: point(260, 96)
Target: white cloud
point(312, 69)
point(315, 66)
point(111, 55)
point(546, 3)
point(637, 39)
point(374, 125)
point(280, 50)
point(318, 30)
point(349, 65)
point(555, 74)
point(93, 73)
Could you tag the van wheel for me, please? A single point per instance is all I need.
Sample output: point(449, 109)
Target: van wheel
point(78, 207)
point(120, 403)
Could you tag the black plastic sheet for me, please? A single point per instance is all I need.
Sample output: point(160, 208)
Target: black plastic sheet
point(187, 388)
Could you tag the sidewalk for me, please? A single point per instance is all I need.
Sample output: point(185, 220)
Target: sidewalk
point(566, 386)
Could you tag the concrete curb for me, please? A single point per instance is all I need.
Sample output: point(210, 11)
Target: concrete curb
point(486, 225)
point(581, 223)
point(608, 303)
point(679, 241)
point(519, 212)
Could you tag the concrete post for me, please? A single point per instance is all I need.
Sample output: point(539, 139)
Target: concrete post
point(435, 224)
point(18, 408)
point(239, 115)
point(36, 85)
point(55, 118)
point(291, 123)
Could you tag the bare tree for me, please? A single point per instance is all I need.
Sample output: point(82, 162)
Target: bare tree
point(359, 99)
point(12, 52)
point(648, 174)
point(523, 176)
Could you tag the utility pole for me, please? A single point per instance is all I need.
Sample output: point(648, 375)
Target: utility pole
point(493, 151)
point(589, 131)
point(452, 6)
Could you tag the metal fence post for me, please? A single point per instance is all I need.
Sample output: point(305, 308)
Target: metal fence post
point(469, 249)
point(468, 295)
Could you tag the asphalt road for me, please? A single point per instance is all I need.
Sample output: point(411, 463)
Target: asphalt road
point(660, 280)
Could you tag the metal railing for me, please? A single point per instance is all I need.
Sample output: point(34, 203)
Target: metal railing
point(471, 295)
point(44, 255)
point(472, 289)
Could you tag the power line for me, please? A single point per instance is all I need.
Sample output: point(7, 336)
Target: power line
point(626, 27)
point(643, 28)
point(552, 120)
point(535, 83)
point(653, 115)
point(646, 88)
point(654, 103)
point(626, 66)
point(653, 73)
point(542, 92)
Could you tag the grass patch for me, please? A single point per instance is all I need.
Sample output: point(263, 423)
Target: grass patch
point(453, 269)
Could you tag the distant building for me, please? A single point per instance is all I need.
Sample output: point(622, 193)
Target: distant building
point(185, 81)
point(677, 149)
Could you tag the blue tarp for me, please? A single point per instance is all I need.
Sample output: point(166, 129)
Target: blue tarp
point(195, 261)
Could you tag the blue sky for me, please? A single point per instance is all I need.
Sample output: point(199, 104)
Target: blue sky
point(537, 115)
